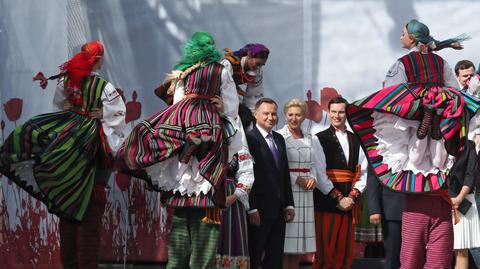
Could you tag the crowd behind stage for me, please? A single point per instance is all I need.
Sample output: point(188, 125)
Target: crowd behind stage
point(396, 170)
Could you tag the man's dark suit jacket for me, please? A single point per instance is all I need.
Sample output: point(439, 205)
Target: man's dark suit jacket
point(382, 200)
point(272, 191)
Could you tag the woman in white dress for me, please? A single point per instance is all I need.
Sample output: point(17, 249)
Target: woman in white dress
point(300, 233)
point(461, 183)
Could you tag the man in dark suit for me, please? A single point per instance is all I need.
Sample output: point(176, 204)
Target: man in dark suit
point(386, 206)
point(271, 198)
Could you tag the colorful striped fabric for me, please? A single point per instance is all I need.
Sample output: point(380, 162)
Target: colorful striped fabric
point(425, 86)
point(163, 135)
point(192, 242)
point(232, 249)
point(423, 68)
point(175, 200)
point(427, 233)
point(66, 148)
point(335, 238)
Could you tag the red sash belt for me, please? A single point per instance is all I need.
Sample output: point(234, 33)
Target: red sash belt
point(299, 170)
point(343, 176)
point(198, 96)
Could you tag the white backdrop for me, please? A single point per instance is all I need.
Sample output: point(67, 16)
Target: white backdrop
point(345, 44)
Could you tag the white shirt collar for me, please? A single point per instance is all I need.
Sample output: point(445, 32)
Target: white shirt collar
point(340, 131)
point(414, 49)
point(262, 131)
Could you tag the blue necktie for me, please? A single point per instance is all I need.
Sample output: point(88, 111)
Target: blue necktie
point(273, 149)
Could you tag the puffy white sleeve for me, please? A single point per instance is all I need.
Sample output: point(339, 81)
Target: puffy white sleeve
point(362, 181)
point(59, 96)
point(474, 90)
point(227, 66)
point(324, 184)
point(254, 91)
point(238, 143)
point(449, 76)
point(474, 86)
point(179, 91)
point(474, 125)
point(229, 94)
point(230, 109)
point(113, 121)
point(245, 175)
point(396, 74)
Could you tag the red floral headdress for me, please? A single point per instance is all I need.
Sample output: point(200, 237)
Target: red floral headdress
point(81, 64)
point(75, 69)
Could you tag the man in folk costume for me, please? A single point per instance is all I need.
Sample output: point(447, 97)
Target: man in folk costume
point(341, 169)
point(65, 158)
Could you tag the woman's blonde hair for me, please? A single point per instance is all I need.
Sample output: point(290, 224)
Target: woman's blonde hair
point(296, 103)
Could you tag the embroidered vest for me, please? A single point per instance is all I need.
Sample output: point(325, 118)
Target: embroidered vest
point(335, 159)
point(205, 80)
point(423, 68)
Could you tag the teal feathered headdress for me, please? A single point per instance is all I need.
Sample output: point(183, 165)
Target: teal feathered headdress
point(422, 35)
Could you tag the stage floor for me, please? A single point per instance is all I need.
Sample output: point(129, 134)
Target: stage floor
point(357, 264)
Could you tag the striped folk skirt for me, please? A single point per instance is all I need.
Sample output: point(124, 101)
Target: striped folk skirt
point(164, 135)
point(387, 122)
point(335, 239)
point(232, 252)
point(55, 158)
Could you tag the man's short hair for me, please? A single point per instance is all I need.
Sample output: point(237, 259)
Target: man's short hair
point(463, 64)
point(265, 100)
point(337, 100)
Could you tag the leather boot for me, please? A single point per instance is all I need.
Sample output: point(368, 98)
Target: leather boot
point(436, 132)
point(192, 143)
point(424, 126)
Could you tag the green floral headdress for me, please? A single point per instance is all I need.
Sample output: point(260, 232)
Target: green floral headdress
point(200, 48)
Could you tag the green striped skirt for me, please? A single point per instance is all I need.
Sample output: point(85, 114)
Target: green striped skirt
point(55, 157)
